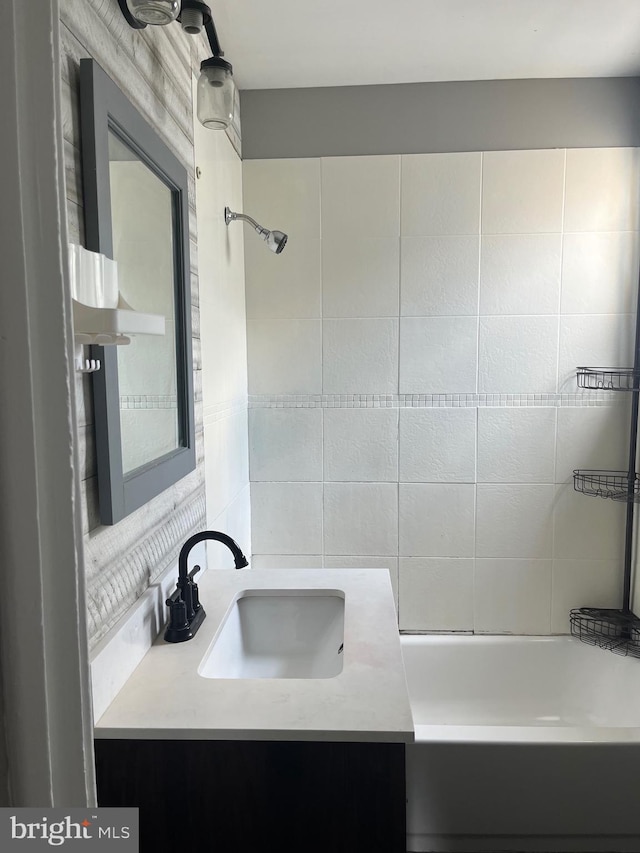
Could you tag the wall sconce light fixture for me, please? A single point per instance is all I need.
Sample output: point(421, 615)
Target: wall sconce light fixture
point(275, 240)
point(216, 89)
point(139, 13)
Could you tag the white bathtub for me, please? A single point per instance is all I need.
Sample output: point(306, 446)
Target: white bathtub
point(522, 744)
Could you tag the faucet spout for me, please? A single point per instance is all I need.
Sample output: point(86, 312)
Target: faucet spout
point(185, 611)
point(239, 558)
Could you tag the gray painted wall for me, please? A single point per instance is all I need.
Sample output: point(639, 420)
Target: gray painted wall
point(418, 118)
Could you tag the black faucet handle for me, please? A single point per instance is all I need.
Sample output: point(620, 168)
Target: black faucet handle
point(195, 595)
point(175, 596)
point(177, 613)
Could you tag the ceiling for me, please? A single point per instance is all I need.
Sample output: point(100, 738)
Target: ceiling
point(300, 43)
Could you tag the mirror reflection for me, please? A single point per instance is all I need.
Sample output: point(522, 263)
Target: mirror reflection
point(142, 220)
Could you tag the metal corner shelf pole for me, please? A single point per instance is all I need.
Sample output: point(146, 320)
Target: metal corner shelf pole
point(633, 451)
point(615, 630)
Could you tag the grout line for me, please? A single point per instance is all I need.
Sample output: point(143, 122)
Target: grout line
point(475, 480)
point(322, 318)
point(400, 273)
point(478, 307)
point(322, 554)
point(479, 277)
point(400, 244)
point(560, 315)
point(322, 419)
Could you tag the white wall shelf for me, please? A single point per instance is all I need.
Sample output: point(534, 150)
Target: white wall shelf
point(113, 326)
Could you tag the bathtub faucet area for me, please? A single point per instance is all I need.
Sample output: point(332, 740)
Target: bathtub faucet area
point(186, 614)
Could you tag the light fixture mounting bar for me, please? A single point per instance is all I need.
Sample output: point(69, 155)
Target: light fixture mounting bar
point(196, 5)
point(212, 35)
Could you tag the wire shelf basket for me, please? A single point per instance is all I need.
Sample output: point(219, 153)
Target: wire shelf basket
point(608, 378)
point(617, 485)
point(612, 630)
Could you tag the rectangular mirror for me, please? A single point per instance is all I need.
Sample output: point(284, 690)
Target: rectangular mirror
point(136, 212)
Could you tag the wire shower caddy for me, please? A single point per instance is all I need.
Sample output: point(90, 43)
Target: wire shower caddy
point(616, 630)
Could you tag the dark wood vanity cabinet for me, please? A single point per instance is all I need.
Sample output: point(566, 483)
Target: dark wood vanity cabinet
point(251, 796)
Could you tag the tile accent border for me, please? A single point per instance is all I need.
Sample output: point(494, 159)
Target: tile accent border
point(432, 401)
point(225, 409)
point(148, 401)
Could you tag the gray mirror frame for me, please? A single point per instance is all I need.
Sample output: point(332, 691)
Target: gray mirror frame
point(104, 107)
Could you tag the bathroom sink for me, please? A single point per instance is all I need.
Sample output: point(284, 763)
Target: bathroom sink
point(279, 633)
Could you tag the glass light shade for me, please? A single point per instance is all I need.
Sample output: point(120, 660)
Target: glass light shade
point(155, 12)
point(216, 96)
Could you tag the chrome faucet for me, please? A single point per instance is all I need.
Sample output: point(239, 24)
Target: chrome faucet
point(186, 614)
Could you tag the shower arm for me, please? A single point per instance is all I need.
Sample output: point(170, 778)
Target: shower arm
point(229, 216)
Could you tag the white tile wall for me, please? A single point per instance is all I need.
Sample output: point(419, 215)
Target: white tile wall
point(437, 520)
point(360, 356)
point(522, 192)
point(438, 355)
point(285, 356)
point(360, 276)
point(438, 445)
point(471, 285)
point(361, 196)
point(221, 294)
point(592, 438)
point(585, 527)
point(600, 272)
point(583, 583)
point(285, 286)
point(226, 461)
point(516, 445)
point(285, 444)
point(602, 340)
point(513, 596)
point(602, 189)
point(520, 274)
point(440, 194)
point(235, 520)
point(517, 353)
point(515, 521)
point(361, 519)
point(360, 445)
point(286, 518)
point(439, 276)
point(436, 594)
point(283, 194)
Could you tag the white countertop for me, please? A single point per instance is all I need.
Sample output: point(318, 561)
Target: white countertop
point(165, 698)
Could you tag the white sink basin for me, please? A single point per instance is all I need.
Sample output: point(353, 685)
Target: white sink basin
point(279, 633)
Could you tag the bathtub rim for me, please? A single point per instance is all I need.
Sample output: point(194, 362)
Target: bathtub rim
point(504, 734)
point(524, 735)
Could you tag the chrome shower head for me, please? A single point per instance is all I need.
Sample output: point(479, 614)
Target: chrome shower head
point(275, 240)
